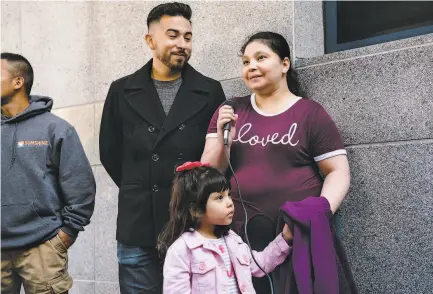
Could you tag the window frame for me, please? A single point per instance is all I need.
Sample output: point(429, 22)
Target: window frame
point(330, 27)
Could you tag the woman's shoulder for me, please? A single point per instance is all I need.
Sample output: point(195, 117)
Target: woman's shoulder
point(241, 102)
point(310, 108)
point(310, 104)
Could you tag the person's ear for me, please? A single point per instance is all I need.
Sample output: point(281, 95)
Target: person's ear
point(195, 213)
point(18, 82)
point(196, 216)
point(286, 65)
point(150, 41)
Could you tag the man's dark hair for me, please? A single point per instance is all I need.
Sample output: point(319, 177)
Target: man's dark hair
point(19, 66)
point(170, 9)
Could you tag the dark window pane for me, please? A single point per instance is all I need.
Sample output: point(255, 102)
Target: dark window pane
point(357, 20)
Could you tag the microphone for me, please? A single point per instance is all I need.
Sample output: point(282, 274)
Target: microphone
point(227, 126)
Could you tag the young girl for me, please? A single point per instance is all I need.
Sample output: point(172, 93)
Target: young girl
point(204, 255)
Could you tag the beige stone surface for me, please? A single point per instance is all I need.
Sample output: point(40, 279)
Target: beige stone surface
point(98, 115)
point(120, 49)
point(221, 27)
point(82, 254)
point(106, 266)
point(10, 27)
point(57, 40)
point(83, 119)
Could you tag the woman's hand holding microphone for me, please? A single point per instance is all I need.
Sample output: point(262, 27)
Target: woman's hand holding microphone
point(226, 115)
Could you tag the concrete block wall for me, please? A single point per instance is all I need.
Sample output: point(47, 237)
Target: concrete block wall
point(379, 96)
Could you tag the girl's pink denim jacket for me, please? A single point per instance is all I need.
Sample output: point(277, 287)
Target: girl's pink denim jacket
point(193, 265)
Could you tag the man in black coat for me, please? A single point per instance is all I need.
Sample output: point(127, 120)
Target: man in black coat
point(154, 120)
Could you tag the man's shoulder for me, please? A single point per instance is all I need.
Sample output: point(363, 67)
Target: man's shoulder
point(55, 123)
point(138, 74)
point(206, 78)
point(120, 81)
point(201, 78)
point(53, 119)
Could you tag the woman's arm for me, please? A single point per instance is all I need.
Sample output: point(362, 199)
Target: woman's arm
point(214, 150)
point(215, 154)
point(337, 180)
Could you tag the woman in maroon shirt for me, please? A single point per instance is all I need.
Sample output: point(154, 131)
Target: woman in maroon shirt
point(280, 144)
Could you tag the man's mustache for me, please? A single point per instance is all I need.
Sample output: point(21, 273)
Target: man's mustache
point(183, 53)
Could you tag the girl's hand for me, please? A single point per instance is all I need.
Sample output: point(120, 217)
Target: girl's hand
point(287, 234)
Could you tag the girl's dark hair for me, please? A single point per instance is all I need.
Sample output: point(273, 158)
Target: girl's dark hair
point(279, 45)
point(190, 193)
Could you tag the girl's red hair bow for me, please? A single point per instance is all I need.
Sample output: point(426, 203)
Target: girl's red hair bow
point(190, 165)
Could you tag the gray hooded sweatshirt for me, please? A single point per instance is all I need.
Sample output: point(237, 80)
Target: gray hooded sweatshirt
point(47, 182)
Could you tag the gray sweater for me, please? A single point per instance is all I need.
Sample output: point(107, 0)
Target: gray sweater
point(46, 180)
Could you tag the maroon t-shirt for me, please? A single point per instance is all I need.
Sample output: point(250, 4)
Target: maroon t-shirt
point(274, 156)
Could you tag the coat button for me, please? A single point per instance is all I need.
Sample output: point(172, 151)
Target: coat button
point(155, 157)
point(151, 129)
point(202, 266)
point(155, 188)
point(181, 127)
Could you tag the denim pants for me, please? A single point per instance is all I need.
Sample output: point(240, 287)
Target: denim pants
point(140, 270)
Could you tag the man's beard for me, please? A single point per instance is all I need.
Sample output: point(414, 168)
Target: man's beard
point(176, 65)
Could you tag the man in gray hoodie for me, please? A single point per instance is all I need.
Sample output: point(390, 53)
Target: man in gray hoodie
point(47, 186)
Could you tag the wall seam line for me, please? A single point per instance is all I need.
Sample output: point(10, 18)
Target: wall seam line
point(390, 143)
point(365, 56)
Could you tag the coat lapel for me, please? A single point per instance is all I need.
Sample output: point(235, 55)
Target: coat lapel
point(141, 95)
point(191, 98)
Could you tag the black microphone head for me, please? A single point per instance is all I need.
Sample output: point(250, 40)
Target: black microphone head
point(231, 103)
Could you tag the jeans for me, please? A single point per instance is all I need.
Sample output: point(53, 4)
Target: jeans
point(140, 270)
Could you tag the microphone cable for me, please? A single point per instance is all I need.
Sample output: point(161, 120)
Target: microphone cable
point(226, 148)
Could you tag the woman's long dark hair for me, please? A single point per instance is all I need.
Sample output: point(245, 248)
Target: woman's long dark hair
point(279, 45)
point(190, 193)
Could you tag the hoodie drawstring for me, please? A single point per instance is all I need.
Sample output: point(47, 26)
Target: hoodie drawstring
point(14, 145)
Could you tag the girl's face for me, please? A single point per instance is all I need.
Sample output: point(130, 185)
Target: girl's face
point(262, 67)
point(219, 209)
